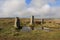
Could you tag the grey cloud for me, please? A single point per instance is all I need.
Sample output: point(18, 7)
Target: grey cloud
point(13, 8)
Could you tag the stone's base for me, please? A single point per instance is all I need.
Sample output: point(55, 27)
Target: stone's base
point(44, 29)
point(19, 27)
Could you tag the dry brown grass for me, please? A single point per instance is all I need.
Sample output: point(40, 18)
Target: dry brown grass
point(8, 32)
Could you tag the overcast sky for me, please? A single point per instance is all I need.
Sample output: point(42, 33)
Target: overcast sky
point(25, 8)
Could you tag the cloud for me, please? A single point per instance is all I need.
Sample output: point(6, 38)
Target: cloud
point(42, 8)
point(39, 11)
point(13, 8)
point(10, 6)
point(39, 7)
point(56, 11)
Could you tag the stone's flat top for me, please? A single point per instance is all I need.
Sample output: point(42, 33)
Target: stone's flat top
point(26, 29)
point(46, 28)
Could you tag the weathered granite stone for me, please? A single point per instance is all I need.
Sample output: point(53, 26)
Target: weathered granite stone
point(17, 23)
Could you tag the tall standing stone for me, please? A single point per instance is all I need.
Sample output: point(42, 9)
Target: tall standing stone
point(32, 20)
point(17, 23)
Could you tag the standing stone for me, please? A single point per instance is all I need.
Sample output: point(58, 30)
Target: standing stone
point(32, 20)
point(42, 22)
point(17, 23)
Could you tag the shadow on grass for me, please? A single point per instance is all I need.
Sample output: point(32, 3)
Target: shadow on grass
point(0, 29)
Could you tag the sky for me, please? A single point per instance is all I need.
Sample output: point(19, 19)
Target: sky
point(26, 8)
point(28, 2)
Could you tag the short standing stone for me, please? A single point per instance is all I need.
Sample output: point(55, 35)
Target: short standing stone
point(42, 21)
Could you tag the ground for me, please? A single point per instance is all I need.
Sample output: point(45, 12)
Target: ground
point(9, 32)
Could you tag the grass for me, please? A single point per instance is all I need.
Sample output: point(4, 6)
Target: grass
point(8, 32)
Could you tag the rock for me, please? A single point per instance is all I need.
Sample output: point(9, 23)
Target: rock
point(26, 29)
